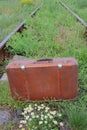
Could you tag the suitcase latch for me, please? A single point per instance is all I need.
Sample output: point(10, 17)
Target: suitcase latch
point(60, 66)
point(22, 67)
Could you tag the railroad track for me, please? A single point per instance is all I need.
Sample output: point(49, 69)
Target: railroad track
point(76, 16)
point(3, 50)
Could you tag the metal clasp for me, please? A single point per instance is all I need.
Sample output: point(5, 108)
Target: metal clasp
point(60, 66)
point(22, 67)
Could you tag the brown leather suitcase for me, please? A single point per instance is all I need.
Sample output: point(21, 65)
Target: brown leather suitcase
point(43, 79)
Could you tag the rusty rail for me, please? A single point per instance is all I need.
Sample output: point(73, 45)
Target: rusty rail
point(3, 52)
point(19, 28)
point(34, 12)
point(76, 16)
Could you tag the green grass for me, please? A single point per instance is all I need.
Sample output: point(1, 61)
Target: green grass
point(53, 32)
point(78, 6)
point(77, 118)
point(6, 99)
point(12, 14)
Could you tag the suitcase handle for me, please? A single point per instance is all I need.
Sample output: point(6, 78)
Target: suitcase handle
point(44, 59)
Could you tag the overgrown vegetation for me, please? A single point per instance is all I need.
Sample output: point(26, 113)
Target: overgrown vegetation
point(77, 118)
point(12, 14)
point(80, 7)
point(54, 33)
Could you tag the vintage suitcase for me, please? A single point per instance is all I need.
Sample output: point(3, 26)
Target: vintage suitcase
point(43, 79)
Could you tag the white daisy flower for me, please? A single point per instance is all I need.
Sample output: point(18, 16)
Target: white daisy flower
point(53, 112)
point(55, 122)
point(20, 126)
point(40, 122)
point(61, 124)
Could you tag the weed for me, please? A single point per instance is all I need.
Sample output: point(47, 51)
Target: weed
point(4, 62)
point(77, 118)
